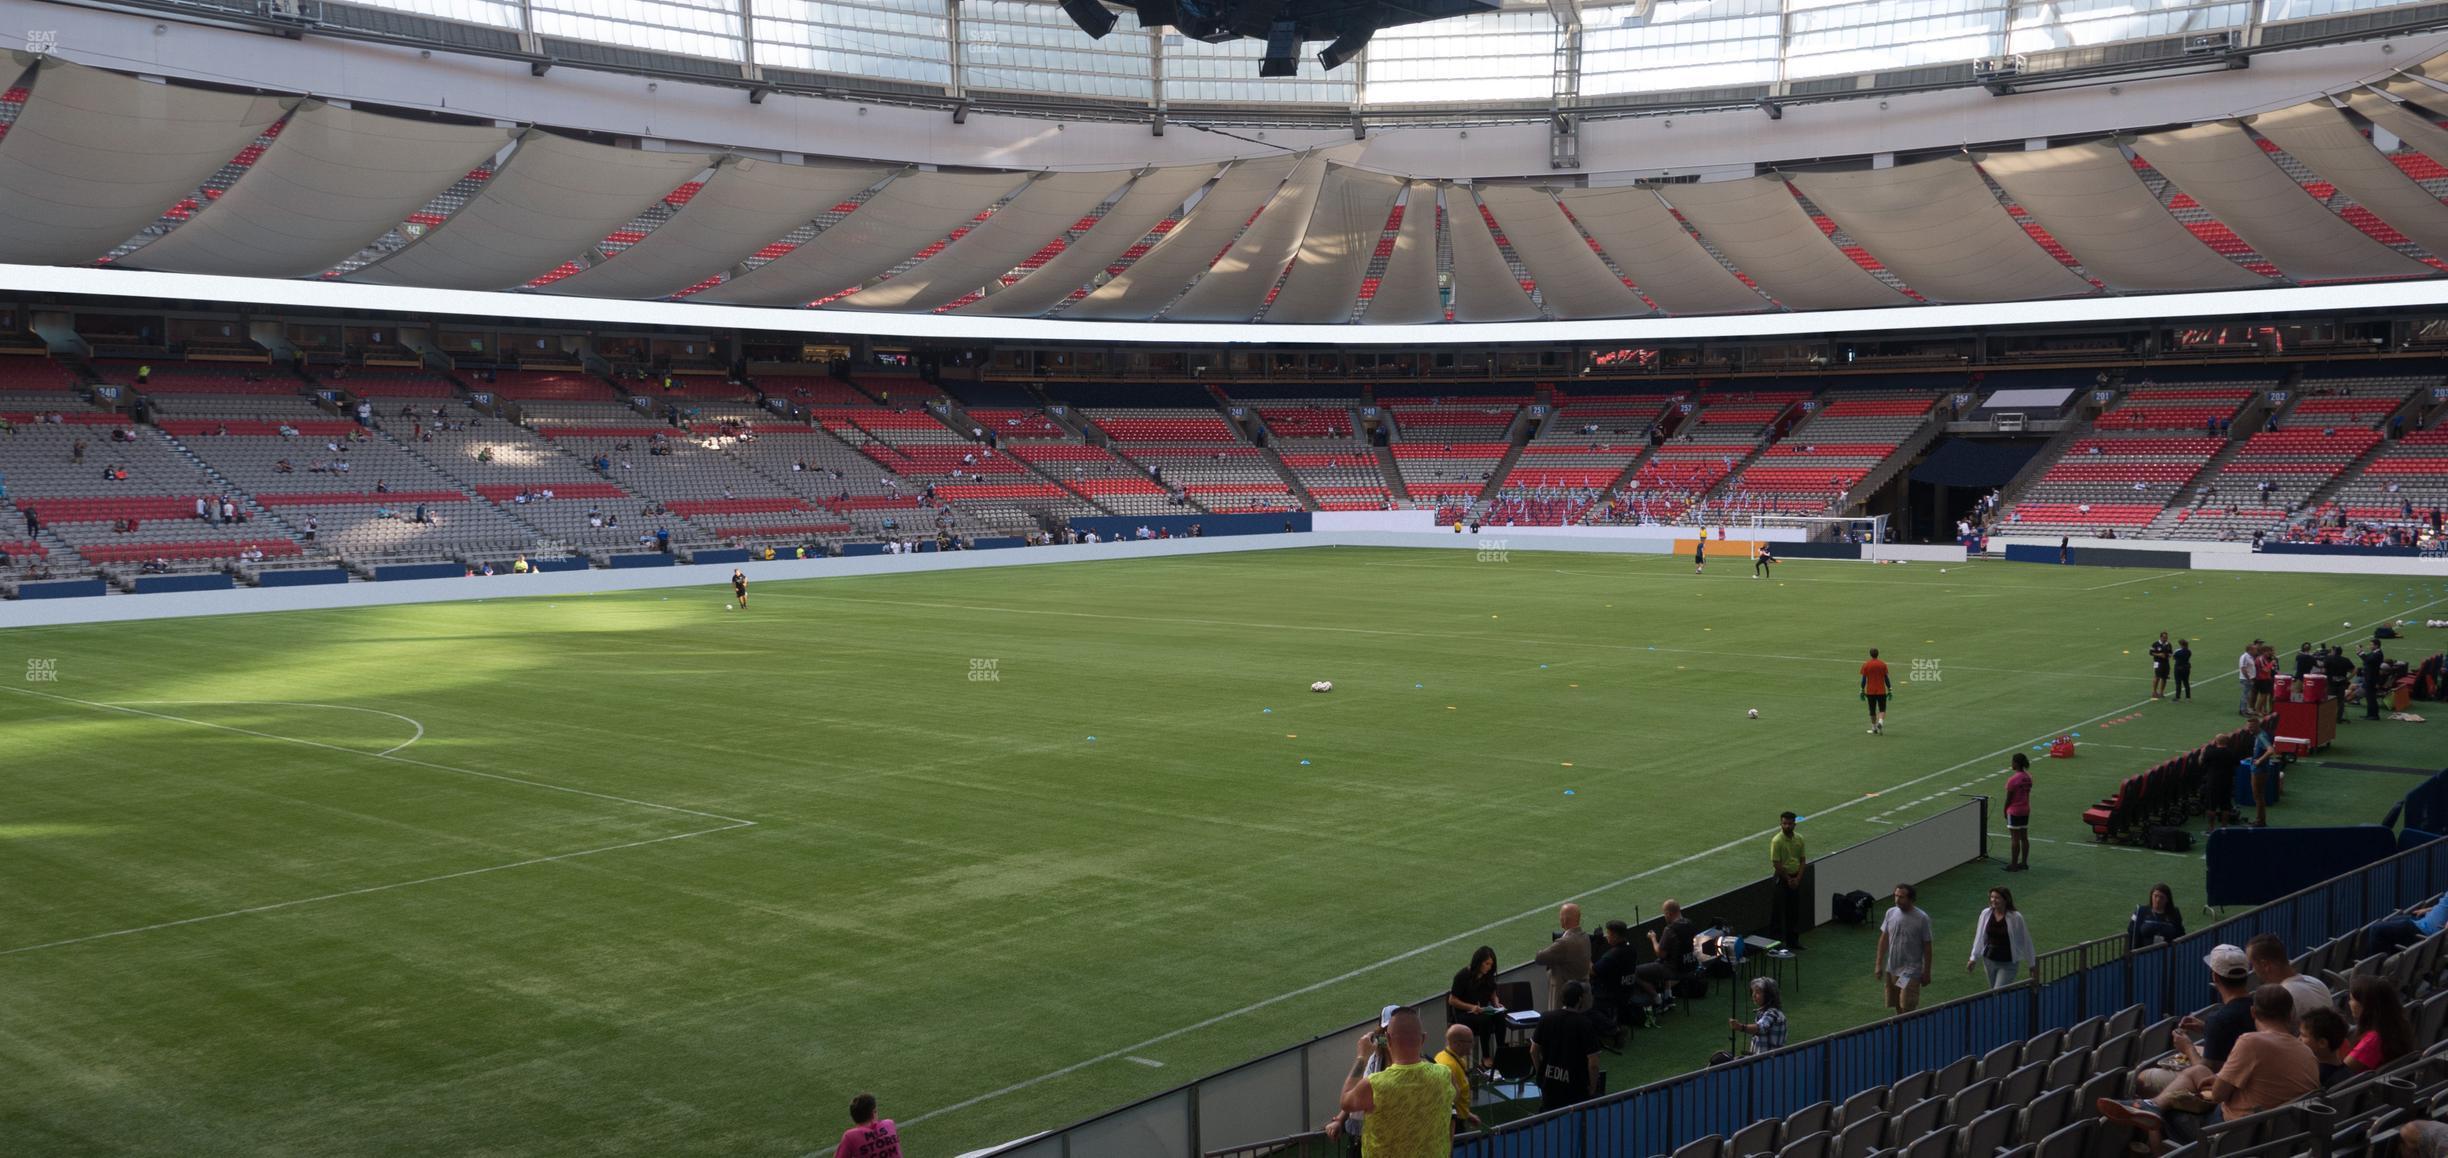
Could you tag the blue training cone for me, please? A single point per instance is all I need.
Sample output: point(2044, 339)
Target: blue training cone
point(1568, 792)
point(1304, 763)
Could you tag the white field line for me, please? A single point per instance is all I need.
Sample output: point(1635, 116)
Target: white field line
point(2139, 579)
point(1524, 915)
point(276, 905)
point(732, 821)
point(420, 728)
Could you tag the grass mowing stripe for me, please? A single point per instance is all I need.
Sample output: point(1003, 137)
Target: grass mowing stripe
point(731, 821)
point(291, 904)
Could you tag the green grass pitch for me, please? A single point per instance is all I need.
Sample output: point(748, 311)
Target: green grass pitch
point(636, 875)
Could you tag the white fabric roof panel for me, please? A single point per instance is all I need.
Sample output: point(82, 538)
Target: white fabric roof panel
point(1157, 277)
point(333, 181)
point(1151, 199)
point(1334, 255)
point(916, 210)
point(1572, 279)
point(2410, 125)
point(1236, 287)
point(747, 205)
point(552, 199)
point(1042, 212)
point(2321, 137)
point(1408, 294)
point(1657, 253)
point(1762, 230)
point(1484, 289)
point(1940, 229)
point(2088, 197)
point(2228, 174)
point(94, 157)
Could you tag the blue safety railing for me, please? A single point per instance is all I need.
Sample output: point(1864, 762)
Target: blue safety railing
point(2086, 981)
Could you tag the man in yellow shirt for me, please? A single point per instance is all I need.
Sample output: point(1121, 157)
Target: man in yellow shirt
point(1459, 1042)
point(1786, 859)
point(1409, 1103)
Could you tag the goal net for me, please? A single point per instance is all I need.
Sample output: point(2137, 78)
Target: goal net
point(1870, 531)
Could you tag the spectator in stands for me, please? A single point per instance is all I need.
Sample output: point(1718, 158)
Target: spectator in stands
point(76, 452)
point(1460, 1043)
point(2396, 931)
point(1347, 1124)
point(1564, 1051)
point(2323, 1031)
point(2202, 1043)
point(2267, 955)
point(2382, 1031)
point(2268, 1067)
point(1787, 859)
point(2000, 941)
point(1765, 1031)
point(868, 1135)
point(1472, 1000)
point(1567, 957)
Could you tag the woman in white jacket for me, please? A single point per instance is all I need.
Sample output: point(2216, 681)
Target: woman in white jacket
point(2000, 941)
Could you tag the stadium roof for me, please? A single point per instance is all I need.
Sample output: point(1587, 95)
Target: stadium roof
point(102, 168)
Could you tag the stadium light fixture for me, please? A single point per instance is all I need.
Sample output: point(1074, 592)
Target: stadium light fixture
point(1282, 50)
point(1344, 48)
point(1093, 18)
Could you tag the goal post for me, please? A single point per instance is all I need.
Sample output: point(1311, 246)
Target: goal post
point(1868, 530)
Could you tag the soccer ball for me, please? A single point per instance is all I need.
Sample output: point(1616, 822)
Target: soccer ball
point(1755, 713)
point(2349, 625)
point(1322, 686)
point(730, 606)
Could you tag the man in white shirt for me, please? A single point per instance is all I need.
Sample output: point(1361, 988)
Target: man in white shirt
point(1906, 951)
point(2244, 682)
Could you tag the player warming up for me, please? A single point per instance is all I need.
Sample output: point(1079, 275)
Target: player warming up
point(739, 587)
point(1700, 555)
point(1874, 691)
point(1762, 562)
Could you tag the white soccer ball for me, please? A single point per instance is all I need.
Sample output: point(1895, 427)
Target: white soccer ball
point(1322, 686)
point(1942, 570)
point(2349, 624)
point(1755, 713)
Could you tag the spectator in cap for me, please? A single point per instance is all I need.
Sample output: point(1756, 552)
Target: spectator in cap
point(2203, 1042)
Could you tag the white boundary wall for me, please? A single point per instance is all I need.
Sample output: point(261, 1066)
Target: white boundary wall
point(2217, 556)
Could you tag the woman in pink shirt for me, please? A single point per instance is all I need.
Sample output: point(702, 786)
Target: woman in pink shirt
point(2018, 815)
point(2383, 1033)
